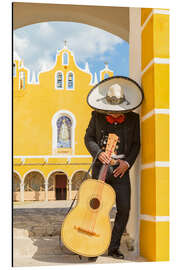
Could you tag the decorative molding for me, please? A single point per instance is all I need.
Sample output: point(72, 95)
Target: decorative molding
point(58, 88)
point(155, 164)
point(54, 129)
point(154, 218)
point(67, 88)
point(155, 111)
point(154, 11)
point(55, 156)
point(33, 170)
point(155, 60)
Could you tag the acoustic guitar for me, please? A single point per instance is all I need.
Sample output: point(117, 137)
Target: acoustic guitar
point(86, 230)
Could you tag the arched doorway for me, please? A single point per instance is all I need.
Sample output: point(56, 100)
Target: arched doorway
point(76, 181)
point(34, 186)
point(57, 186)
point(16, 187)
point(61, 184)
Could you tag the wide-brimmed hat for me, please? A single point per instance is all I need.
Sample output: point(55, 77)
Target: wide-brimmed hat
point(116, 94)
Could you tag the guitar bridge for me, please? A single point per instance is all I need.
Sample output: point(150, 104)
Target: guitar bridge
point(82, 230)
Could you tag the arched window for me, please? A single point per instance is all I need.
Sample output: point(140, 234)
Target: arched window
point(59, 80)
point(106, 75)
point(65, 58)
point(70, 80)
point(64, 126)
point(22, 80)
point(14, 70)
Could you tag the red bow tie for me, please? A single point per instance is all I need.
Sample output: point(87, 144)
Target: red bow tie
point(113, 120)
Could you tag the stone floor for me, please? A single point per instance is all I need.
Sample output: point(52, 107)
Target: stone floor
point(36, 229)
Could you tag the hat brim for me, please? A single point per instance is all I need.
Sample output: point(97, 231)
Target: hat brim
point(133, 95)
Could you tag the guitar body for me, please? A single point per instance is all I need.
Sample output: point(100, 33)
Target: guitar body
point(86, 230)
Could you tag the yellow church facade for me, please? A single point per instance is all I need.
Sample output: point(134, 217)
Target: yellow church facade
point(50, 117)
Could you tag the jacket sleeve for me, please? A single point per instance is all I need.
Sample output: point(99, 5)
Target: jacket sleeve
point(90, 137)
point(135, 148)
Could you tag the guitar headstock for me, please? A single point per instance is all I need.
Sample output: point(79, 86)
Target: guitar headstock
point(111, 144)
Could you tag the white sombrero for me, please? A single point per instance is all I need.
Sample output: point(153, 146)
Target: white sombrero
point(116, 94)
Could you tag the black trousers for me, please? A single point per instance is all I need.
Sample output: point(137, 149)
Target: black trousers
point(122, 189)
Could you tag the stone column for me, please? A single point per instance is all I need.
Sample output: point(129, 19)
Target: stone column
point(135, 74)
point(70, 196)
point(46, 190)
point(22, 191)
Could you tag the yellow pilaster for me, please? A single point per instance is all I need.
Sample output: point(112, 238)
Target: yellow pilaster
point(154, 225)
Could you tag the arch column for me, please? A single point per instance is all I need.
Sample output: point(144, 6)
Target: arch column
point(69, 191)
point(46, 189)
point(135, 73)
point(22, 191)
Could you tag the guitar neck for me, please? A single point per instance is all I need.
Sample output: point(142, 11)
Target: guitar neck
point(111, 143)
point(103, 172)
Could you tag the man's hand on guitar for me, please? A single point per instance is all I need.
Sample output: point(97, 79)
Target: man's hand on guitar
point(104, 158)
point(121, 169)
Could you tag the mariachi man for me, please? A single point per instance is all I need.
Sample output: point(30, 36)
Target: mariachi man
point(113, 101)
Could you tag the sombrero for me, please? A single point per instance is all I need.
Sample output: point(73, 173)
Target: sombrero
point(116, 94)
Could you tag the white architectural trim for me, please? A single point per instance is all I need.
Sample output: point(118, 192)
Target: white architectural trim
point(54, 129)
point(24, 79)
point(50, 173)
point(69, 89)
point(55, 156)
point(154, 11)
point(55, 64)
point(155, 60)
point(34, 170)
point(76, 172)
point(57, 88)
point(155, 111)
point(104, 70)
point(155, 164)
point(14, 171)
point(65, 53)
point(155, 218)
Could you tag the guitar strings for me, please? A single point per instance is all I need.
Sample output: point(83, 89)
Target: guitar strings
point(98, 194)
point(100, 190)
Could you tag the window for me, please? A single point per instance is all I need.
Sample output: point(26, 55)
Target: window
point(59, 80)
point(106, 75)
point(22, 79)
point(64, 126)
point(14, 70)
point(65, 58)
point(70, 80)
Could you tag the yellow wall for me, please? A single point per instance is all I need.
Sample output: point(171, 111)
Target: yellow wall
point(33, 110)
point(154, 224)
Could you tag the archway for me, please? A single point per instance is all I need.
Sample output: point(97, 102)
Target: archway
point(57, 186)
point(16, 186)
point(119, 27)
point(34, 186)
point(112, 19)
point(76, 180)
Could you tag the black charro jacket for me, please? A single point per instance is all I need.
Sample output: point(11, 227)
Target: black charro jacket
point(130, 129)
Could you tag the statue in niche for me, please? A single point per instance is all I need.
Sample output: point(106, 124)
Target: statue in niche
point(64, 132)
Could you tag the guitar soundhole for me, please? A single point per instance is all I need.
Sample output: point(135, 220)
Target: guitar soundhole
point(94, 203)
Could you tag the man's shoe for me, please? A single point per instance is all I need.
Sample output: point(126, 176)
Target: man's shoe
point(92, 259)
point(116, 254)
